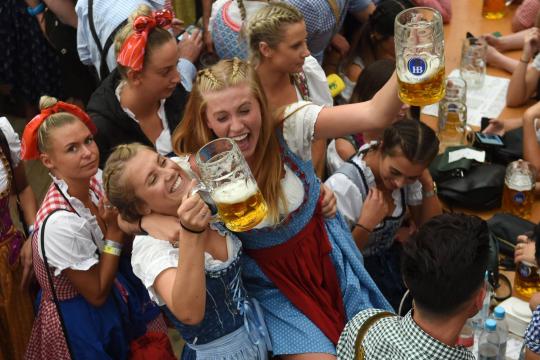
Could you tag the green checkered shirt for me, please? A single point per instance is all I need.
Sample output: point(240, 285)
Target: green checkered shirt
point(395, 338)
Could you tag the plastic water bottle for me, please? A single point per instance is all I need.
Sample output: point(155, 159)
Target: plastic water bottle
point(522, 352)
point(479, 319)
point(502, 328)
point(489, 342)
point(466, 336)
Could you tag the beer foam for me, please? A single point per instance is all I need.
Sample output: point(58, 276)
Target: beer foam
point(234, 192)
point(520, 182)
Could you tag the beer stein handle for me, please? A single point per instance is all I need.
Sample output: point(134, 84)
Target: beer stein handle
point(468, 135)
point(204, 193)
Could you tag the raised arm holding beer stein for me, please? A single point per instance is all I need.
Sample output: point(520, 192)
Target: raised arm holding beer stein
point(196, 279)
point(419, 44)
point(293, 245)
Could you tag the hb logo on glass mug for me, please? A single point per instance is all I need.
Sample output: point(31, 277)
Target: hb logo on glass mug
point(416, 66)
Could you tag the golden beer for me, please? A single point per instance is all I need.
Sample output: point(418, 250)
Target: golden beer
point(493, 9)
point(527, 281)
point(451, 125)
point(519, 182)
point(240, 204)
point(518, 201)
point(419, 42)
point(424, 92)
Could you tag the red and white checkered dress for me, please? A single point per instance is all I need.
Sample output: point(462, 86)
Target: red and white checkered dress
point(47, 340)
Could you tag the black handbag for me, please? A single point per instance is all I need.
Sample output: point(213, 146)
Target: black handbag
point(513, 147)
point(466, 183)
point(506, 228)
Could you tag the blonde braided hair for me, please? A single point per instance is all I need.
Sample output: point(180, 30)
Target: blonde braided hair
point(267, 26)
point(210, 76)
point(118, 190)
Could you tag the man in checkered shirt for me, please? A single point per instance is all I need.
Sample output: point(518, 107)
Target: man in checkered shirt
point(532, 336)
point(443, 267)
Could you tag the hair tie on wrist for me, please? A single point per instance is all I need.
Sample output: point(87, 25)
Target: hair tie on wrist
point(191, 230)
point(363, 227)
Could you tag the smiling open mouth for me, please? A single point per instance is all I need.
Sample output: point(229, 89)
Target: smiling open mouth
point(176, 184)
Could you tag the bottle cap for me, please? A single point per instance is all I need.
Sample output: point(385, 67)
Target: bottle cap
point(491, 325)
point(499, 312)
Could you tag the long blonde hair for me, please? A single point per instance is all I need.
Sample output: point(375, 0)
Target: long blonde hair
point(267, 26)
point(192, 132)
point(156, 38)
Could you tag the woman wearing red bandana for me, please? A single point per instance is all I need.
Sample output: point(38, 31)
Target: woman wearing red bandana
point(142, 100)
point(90, 306)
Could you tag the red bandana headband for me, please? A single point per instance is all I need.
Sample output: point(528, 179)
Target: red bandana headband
point(29, 143)
point(132, 52)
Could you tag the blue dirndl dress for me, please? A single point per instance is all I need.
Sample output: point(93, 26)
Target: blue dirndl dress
point(292, 332)
point(233, 327)
point(226, 36)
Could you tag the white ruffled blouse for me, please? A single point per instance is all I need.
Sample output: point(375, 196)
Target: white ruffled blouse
point(71, 240)
point(14, 149)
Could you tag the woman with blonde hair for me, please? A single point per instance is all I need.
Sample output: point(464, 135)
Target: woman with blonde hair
point(142, 100)
point(88, 309)
point(288, 73)
point(305, 270)
point(196, 278)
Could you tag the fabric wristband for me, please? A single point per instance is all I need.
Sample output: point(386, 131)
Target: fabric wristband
point(38, 9)
point(112, 248)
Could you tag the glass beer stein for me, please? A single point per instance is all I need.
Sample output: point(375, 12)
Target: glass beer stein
point(518, 193)
point(226, 174)
point(527, 280)
point(493, 9)
point(419, 43)
point(473, 62)
point(456, 91)
point(452, 129)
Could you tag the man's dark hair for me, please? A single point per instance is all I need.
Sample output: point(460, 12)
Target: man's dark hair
point(444, 263)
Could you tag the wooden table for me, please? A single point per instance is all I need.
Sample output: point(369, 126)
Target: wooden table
point(467, 16)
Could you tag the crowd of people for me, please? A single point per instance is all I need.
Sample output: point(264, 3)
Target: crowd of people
point(354, 253)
